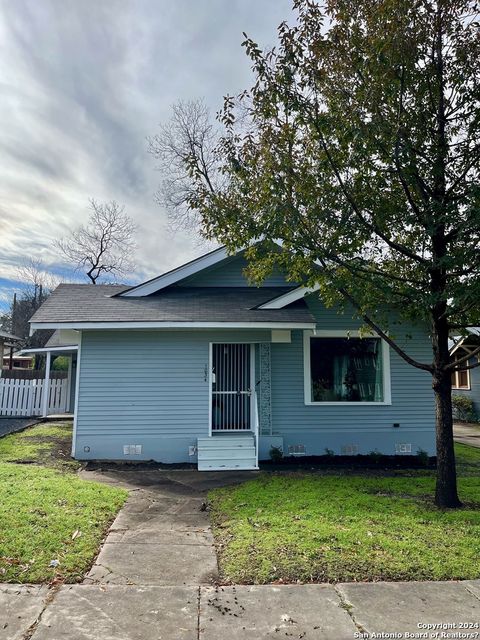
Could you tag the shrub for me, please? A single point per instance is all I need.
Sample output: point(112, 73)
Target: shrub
point(375, 456)
point(463, 409)
point(330, 453)
point(423, 458)
point(276, 454)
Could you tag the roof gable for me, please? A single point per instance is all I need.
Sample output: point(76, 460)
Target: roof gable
point(214, 269)
point(286, 298)
point(469, 341)
point(175, 275)
point(231, 273)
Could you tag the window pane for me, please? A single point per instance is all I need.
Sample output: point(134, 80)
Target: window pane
point(463, 379)
point(346, 369)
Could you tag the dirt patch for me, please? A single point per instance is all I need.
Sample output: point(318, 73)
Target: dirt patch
point(45, 444)
point(54, 451)
point(333, 462)
point(132, 465)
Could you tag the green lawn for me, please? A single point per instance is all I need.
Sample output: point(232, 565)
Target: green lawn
point(322, 527)
point(48, 513)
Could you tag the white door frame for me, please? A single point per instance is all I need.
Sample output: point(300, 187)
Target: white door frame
point(210, 384)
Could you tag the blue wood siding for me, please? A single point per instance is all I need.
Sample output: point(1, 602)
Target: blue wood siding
point(370, 427)
point(230, 274)
point(147, 388)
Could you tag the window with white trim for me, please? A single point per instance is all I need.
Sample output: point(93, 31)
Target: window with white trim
point(461, 379)
point(346, 369)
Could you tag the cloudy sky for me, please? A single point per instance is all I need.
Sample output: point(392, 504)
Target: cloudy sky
point(83, 83)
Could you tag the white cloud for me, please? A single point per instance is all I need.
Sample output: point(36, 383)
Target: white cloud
point(83, 84)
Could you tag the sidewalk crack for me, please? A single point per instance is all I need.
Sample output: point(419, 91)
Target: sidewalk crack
point(198, 611)
point(348, 607)
point(47, 602)
point(472, 593)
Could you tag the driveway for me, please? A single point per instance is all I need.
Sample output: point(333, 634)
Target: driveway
point(467, 433)
point(155, 579)
point(10, 425)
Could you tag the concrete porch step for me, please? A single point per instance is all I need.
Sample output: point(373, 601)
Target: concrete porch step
point(219, 442)
point(227, 453)
point(248, 464)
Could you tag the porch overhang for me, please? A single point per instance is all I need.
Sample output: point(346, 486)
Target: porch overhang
point(49, 353)
point(57, 350)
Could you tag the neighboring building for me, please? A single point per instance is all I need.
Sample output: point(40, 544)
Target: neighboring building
point(198, 365)
point(17, 361)
point(467, 383)
point(62, 342)
point(8, 342)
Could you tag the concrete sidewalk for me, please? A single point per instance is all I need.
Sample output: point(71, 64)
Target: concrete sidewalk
point(323, 612)
point(467, 433)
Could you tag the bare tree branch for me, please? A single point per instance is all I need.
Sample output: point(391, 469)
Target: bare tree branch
point(105, 245)
point(185, 149)
point(36, 277)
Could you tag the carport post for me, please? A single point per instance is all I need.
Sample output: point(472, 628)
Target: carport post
point(46, 385)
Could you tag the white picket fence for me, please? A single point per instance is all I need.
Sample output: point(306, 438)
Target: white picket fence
point(24, 397)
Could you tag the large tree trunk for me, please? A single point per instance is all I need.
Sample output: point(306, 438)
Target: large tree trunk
point(446, 488)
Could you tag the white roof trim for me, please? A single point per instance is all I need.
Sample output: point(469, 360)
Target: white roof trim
point(287, 298)
point(169, 278)
point(170, 325)
point(473, 331)
point(73, 347)
point(457, 345)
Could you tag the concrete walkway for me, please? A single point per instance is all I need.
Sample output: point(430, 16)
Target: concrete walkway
point(154, 579)
point(162, 535)
point(467, 433)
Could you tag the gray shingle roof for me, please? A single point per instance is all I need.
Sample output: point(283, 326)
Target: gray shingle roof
point(73, 303)
point(8, 336)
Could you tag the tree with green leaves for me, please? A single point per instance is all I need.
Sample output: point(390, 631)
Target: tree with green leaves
point(358, 148)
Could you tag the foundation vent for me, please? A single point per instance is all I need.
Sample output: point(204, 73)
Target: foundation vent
point(132, 449)
point(297, 450)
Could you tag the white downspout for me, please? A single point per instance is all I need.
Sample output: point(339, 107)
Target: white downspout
point(68, 408)
point(257, 428)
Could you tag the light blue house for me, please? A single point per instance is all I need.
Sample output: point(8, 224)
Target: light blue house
point(196, 365)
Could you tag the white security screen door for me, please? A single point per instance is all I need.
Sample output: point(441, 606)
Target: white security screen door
point(231, 387)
